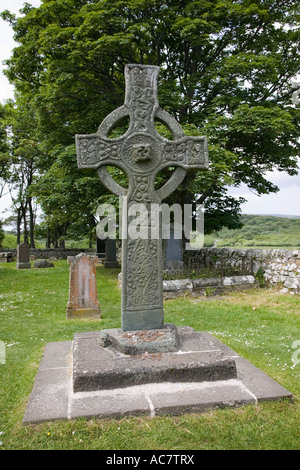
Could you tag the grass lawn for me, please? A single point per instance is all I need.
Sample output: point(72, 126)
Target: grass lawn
point(260, 325)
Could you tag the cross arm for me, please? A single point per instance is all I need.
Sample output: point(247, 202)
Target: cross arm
point(94, 151)
point(189, 152)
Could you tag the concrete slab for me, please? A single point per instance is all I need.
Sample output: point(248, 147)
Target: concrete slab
point(53, 396)
point(49, 399)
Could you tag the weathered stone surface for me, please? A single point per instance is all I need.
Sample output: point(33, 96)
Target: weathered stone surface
point(53, 398)
point(99, 368)
point(43, 263)
point(110, 260)
point(278, 266)
point(141, 153)
point(50, 395)
point(140, 341)
point(6, 257)
point(83, 299)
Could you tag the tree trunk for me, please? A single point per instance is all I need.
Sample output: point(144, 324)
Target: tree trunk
point(19, 219)
point(25, 226)
point(48, 237)
point(31, 223)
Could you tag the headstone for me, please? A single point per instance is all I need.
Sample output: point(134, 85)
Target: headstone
point(110, 254)
point(141, 153)
point(173, 254)
point(83, 300)
point(23, 261)
point(100, 248)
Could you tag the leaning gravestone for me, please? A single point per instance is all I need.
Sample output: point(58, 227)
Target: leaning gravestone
point(23, 261)
point(178, 369)
point(83, 300)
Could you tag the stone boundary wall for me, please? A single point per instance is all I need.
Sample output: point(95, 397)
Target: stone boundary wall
point(46, 253)
point(274, 266)
point(209, 286)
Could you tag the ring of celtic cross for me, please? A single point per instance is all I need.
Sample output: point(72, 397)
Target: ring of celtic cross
point(141, 150)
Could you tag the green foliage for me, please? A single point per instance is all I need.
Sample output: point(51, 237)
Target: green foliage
point(67, 196)
point(259, 230)
point(259, 276)
point(228, 71)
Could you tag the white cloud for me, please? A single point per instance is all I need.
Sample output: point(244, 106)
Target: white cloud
point(7, 43)
point(285, 202)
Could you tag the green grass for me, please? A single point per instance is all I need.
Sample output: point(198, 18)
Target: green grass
point(260, 232)
point(260, 325)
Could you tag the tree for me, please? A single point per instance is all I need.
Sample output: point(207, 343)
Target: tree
point(24, 159)
point(68, 199)
point(3, 150)
point(227, 70)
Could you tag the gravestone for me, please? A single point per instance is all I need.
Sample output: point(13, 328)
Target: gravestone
point(100, 248)
point(110, 254)
point(141, 153)
point(23, 261)
point(173, 253)
point(83, 300)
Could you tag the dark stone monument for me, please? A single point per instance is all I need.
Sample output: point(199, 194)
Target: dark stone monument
point(23, 261)
point(110, 254)
point(100, 248)
point(173, 254)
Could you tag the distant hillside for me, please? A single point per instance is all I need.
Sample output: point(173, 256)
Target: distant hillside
point(260, 231)
point(280, 215)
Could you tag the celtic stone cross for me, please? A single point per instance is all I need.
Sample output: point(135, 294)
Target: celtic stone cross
point(141, 153)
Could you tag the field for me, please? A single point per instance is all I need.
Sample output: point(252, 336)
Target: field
point(259, 231)
point(260, 325)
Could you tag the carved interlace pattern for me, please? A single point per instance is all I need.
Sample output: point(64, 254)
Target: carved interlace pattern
point(143, 276)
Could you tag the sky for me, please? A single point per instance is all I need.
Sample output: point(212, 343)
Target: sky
point(285, 202)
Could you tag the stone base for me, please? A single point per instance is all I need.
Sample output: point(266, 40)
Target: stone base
point(54, 395)
point(23, 265)
point(78, 313)
point(137, 342)
point(100, 368)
